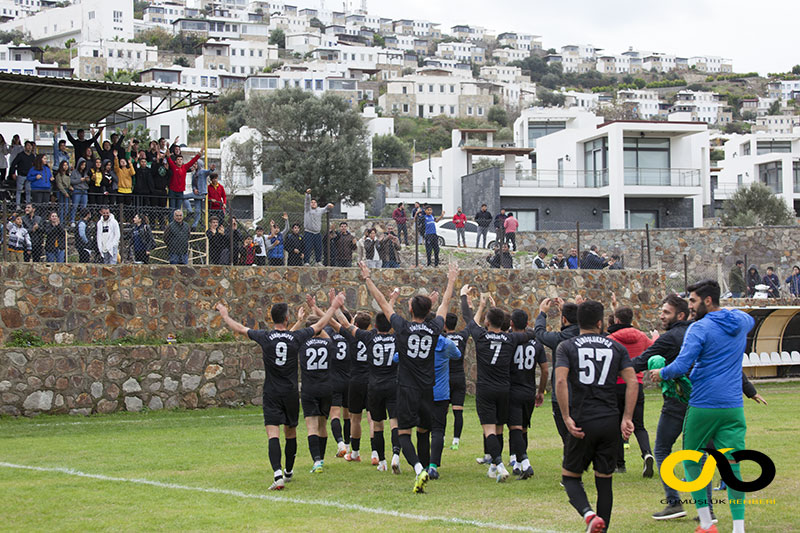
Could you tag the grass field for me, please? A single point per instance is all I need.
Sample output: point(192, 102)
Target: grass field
point(208, 470)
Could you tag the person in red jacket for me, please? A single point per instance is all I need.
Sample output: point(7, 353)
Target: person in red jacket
point(217, 200)
point(635, 341)
point(460, 220)
point(177, 183)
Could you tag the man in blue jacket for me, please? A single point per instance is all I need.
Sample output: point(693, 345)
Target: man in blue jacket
point(444, 352)
point(714, 345)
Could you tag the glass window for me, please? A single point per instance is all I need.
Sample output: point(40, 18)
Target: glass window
point(772, 147)
point(526, 219)
point(770, 174)
point(796, 175)
point(540, 129)
point(595, 162)
point(646, 161)
point(405, 108)
point(318, 85)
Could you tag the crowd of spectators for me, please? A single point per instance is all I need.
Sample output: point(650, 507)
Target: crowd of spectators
point(751, 284)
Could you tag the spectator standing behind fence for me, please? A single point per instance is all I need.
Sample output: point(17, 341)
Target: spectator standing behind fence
point(499, 227)
point(752, 279)
point(79, 181)
point(125, 174)
point(55, 239)
point(218, 242)
point(389, 249)
point(312, 225)
point(63, 190)
point(84, 239)
point(260, 242)
point(82, 143)
point(19, 240)
point(200, 180)
point(177, 182)
point(573, 261)
point(33, 223)
point(142, 182)
point(593, 260)
point(736, 283)
point(176, 237)
point(161, 177)
point(419, 222)
point(501, 258)
point(615, 263)
point(294, 245)
point(248, 252)
point(4, 151)
point(558, 261)
point(104, 151)
point(431, 237)
point(108, 236)
point(96, 185)
point(399, 216)
point(41, 178)
point(371, 255)
point(793, 281)
point(540, 261)
point(510, 226)
point(59, 148)
point(275, 244)
point(142, 241)
point(342, 247)
point(460, 222)
point(773, 283)
point(483, 218)
point(21, 164)
point(217, 199)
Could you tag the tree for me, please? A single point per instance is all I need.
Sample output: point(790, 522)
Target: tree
point(498, 115)
point(121, 76)
point(379, 41)
point(277, 36)
point(279, 201)
point(138, 8)
point(181, 61)
point(310, 142)
point(550, 98)
point(389, 151)
point(756, 205)
point(13, 36)
point(774, 108)
point(796, 69)
point(316, 23)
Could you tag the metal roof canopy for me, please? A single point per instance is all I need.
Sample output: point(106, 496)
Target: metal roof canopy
point(45, 99)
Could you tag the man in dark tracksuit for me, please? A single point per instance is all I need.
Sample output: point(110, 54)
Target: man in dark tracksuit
point(551, 339)
point(674, 316)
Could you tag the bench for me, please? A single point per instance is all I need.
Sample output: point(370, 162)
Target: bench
point(772, 364)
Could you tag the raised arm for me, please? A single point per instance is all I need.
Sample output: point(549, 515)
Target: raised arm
point(233, 325)
point(452, 276)
point(466, 308)
point(387, 309)
point(301, 316)
point(482, 307)
point(323, 321)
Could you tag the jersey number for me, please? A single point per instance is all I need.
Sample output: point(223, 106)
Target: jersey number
point(361, 355)
point(419, 346)
point(317, 359)
point(281, 351)
point(382, 353)
point(588, 358)
point(525, 361)
point(342, 351)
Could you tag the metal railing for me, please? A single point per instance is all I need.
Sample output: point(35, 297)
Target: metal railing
point(662, 177)
point(567, 179)
point(415, 192)
point(496, 143)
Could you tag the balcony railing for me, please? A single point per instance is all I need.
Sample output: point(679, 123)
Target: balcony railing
point(567, 179)
point(415, 192)
point(496, 143)
point(663, 177)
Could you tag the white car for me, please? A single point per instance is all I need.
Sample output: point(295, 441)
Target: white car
point(446, 230)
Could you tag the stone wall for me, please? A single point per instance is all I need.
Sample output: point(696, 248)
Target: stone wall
point(84, 302)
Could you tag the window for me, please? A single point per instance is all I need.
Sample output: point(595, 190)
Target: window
point(771, 174)
point(308, 85)
point(595, 161)
point(405, 89)
point(527, 220)
point(430, 88)
point(441, 110)
point(796, 175)
point(261, 53)
point(469, 110)
point(251, 53)
point(739, 180)
point(117, 16)
point(165, 131)
point(420, 88)
point(91, 15)
point(646, 161)
point(480, 111)
point(405, 108)
point(318, 85)
point(110, 53)
point(203, 81)
point(441, 88)
point(540, 129)
point(430, 109)
point(452, 110)
point(772, 147)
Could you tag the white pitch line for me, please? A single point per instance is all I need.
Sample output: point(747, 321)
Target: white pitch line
point(137, 421)
point(281, 499)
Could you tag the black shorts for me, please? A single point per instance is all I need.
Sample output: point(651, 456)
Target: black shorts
point(414, 407)
point(492, 406)
point(280, 408)
point(458, 389)
point(382, 401)
point(316, 403)
point(339, 396)
point(520, 407)
point(598, 446)
point(357, 397)
point(440, 414)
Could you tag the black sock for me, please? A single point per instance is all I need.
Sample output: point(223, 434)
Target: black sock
point(408, 449)
point(437, 445)
point(346, 431)
point(605, 498)
point(516, 444)
point(458, 424)
point(323, 443)
point(577, 496)
point(500, 441)
point(372, 444)
point(274, 448)
point(313, 447)
point(336, 429)
point(525, 439)
point(395, 442)
point(291, 453)
point(355, 442)
point(379, 444)
point(485, 447)
point(493, 447)
point(424, 447)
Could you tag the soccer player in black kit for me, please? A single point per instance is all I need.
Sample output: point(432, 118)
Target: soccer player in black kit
point(415, 344)
point(591, 364)
point(524, 395)
point(458, 380)
point(494, 351)
point(280, 396)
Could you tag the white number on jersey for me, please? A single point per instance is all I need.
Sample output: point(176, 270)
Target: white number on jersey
point(382, 353)
point(281, 351)
point(419, 346)
point(341, 352)
point(317, 358)
point(495, 345)
point(525, 359)
point(587, 361)
point(361, 355)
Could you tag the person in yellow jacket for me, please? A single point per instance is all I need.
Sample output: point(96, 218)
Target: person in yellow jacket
point(125, 174)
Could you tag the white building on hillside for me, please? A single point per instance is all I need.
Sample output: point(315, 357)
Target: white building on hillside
point(711, 64)
point(784, 90)
point(520, 41)
point(583, 101)
point(643, 103)
point(27, 60)
point(94, 58)
point(432, 92)
point(237, 57)
point(614, 64)
point(504, 56)
point(702, 105)
point(776, 123)
point(464, 52)
point(503, 73)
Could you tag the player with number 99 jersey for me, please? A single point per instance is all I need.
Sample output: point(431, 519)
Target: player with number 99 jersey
point(315, 361)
